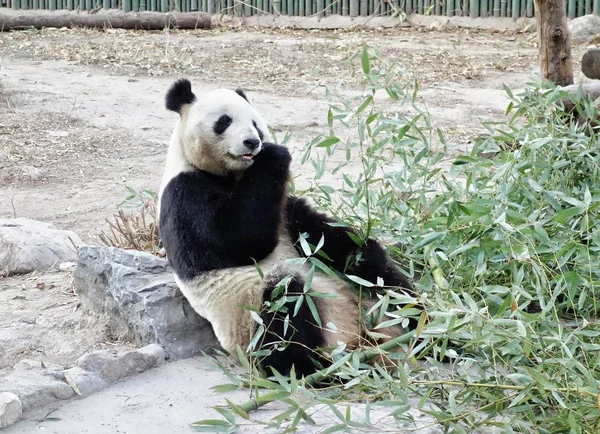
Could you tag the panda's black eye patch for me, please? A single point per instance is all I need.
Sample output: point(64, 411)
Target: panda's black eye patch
point(222, 124)
point(260, 133)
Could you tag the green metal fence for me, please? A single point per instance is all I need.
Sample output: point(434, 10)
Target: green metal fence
point(353, 8)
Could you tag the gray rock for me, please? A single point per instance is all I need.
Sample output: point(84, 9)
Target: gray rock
point(113, 365)
point(584, 28)
point(11, 409)
point(35, 385)
point(87, 382)
point(137, 290)
point(100, 369)
point(27, 245)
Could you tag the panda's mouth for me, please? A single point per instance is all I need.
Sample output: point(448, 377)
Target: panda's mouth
point(243, 157)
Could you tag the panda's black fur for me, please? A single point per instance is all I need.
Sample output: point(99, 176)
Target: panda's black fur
point(230, 221)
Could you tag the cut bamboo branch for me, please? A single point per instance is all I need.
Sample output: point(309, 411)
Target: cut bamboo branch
point(319, 376)
point(13, 20)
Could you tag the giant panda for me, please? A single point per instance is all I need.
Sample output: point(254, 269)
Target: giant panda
point(228, 225)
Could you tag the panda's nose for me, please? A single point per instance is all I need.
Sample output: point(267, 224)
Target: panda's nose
point(251, 144)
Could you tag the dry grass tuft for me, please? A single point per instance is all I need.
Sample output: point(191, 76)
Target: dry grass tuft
point(137, 229)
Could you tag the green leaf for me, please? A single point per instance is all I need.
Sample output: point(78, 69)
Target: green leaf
point(313, 310)
point(224, 388)
point(359, 281)
point(566, 214)
point(309, 278)
point(305, 246)
point(328, 142)
point(213, 425)
point(226, 413)
point(333, 428)
point(365, 61)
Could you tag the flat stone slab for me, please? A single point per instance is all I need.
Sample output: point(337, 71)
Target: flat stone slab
point(27, 245)
point(138, 292)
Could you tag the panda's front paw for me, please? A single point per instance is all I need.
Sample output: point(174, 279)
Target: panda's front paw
point(273, 156)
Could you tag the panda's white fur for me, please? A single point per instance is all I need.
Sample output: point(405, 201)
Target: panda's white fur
point(199, 160)
point(202, 146)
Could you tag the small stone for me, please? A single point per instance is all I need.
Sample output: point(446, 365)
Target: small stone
point(86, 382)
point(67, 266)
point(32, 173)
point(11, 409)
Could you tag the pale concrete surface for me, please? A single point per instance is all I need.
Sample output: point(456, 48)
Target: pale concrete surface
point(165, 400)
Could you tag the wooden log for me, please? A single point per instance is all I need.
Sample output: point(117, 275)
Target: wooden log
point(588, 91)
point(590, 63)
point(13, 20)
point(555, 42)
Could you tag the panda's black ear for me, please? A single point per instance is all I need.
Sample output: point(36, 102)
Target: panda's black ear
point(179, 95)
point(241, 93)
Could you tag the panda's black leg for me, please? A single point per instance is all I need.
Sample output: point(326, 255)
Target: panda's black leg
point(299, 338)
point(340, 248)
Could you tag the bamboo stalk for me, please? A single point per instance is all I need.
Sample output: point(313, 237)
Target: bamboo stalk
point(450, 10)
point(580, 8)
point(597, 7)
point(474, 11)
point(290, 7)
point(588, 7)
point(327, 8)
point(320, 8)
point(515, 10)
point(353, 9)
point(296, 10)
point(438, 7)
point(309, 8)
point(319, 376)
point(571, 8)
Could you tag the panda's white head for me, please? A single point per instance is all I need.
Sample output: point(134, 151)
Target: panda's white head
point(218, 132)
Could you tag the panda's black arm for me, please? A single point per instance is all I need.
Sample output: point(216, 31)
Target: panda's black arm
point(339, 247)
point(248, 217)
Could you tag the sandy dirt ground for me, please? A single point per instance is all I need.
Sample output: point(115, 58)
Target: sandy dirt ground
point(82, 117)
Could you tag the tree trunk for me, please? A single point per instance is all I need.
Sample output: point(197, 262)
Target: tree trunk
point(555, 42)
point(13, 20)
